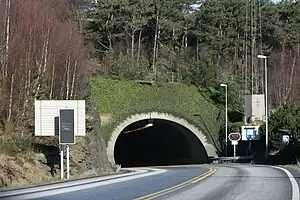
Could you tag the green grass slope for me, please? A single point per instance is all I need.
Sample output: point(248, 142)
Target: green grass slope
point(120, 99)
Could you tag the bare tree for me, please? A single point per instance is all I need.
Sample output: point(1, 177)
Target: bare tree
point(40, 53)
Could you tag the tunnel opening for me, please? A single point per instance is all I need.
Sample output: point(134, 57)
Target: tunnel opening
point(164, 143)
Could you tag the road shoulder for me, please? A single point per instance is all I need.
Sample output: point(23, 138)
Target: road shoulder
point(295, 171)
point(293, 175)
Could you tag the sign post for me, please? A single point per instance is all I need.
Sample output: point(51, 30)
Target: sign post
point(61, 164)
point(68, 162)
point(66, 132)
point(234, 138)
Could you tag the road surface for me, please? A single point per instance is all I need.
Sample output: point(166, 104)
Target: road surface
point(124, 188)
point(241, 182)
point(220, 182)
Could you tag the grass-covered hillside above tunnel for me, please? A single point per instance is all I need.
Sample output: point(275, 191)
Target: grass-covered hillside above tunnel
point(118, 100)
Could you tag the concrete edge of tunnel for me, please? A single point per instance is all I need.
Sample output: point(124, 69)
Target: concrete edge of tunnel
point(174, 188)
point(203, 139)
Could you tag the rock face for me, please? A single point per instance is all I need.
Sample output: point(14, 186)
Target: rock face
point(88, 155)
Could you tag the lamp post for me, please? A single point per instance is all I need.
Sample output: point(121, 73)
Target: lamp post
point(266, 100)
point(226, 117)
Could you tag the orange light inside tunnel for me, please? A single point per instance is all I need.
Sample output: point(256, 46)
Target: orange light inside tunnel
point(134, 130)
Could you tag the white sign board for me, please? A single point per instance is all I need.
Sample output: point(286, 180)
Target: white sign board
point(47, 110)
point(250, 133)
point(234, 142)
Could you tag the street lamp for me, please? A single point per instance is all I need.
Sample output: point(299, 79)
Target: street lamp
point(266, 100)
point(226, 117)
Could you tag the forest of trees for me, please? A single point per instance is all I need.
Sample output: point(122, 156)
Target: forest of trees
point(48, 47)
point(200, 42)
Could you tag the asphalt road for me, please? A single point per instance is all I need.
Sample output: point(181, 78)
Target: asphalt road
point(241, 182)
point(221, 182)
point(131, 189)
point(125, 188)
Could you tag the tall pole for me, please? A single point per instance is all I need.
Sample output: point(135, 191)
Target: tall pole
point(226, 116)
point(266, 106)
point(226, 120)
point(266, 101)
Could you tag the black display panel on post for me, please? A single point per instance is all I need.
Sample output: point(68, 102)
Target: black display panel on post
point(66, 126)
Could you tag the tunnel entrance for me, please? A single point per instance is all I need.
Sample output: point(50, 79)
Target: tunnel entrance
point(164, 143)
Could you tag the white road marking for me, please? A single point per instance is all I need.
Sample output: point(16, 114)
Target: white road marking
point(139, 173)
point(295, 186)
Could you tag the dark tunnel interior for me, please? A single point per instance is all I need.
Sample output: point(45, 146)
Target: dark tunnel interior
point(164, 143)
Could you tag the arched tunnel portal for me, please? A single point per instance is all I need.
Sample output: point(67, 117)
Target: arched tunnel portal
point(153, 139)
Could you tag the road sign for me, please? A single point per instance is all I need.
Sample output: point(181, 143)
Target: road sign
point(234, 142)
point(65, 118)
point(47, 113)
point(285, 140)
point(250, 133)
point(66, 126)
point(234, 136)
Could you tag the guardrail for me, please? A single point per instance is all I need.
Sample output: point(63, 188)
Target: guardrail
point(231, 159)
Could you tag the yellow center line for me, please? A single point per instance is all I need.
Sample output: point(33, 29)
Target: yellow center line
point(177, 187)
point(205, 176)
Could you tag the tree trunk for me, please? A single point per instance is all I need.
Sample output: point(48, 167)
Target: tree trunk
point(173, 41)
point(26, 97)
point(155, 45)
point(27, 76)
point(186, 37)
point(52, 81)
point(139, 47)
point(7, 38)
point(46, 50)
point(182, 44)
point(68, 78)
point(28, 58)
point(109, 35)
point(288, 93)
point(283, 86)
point(73, 79)
point(63, 83)
point(132, 36)
point(42, 63)
point(110, 43)
point(11, 96)
point(235, 60)
point(132, 43)
point(197, 50)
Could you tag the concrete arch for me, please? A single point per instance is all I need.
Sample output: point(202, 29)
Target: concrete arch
point(210, 149)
